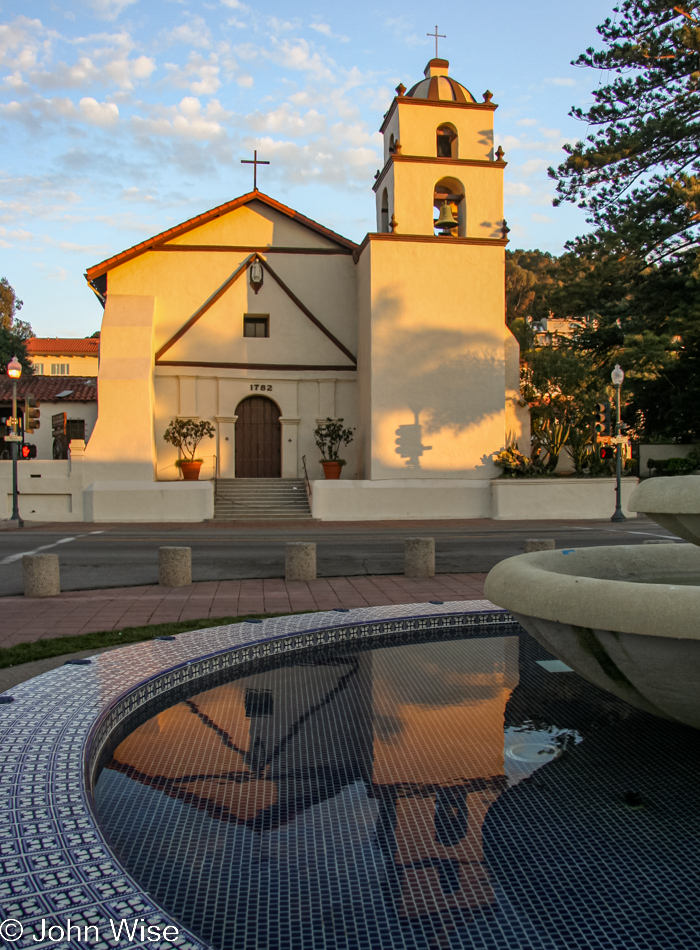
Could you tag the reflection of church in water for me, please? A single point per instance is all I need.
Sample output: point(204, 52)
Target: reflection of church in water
point(349, 793)
point(266, 323)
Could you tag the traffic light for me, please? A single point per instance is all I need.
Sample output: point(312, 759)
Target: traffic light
point(27, 451)
point(607, 453)
point(603, 418)
point(31, 413)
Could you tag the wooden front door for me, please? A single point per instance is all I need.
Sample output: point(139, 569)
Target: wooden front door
point(258, 439)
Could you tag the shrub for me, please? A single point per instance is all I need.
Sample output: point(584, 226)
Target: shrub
point(186, 434)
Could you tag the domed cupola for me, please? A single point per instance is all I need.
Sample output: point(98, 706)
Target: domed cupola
point(438, 86)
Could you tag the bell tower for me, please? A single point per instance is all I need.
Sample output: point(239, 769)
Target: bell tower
point(438, 368)
point(439, 157)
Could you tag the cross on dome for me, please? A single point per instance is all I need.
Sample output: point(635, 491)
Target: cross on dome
point(437, 36)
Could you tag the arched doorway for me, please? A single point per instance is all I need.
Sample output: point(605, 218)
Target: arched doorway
point(258, 438)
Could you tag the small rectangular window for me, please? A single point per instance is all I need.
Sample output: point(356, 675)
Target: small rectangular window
point(75, 429)
point(60, 369)
point(38, 369)
point(256, 324)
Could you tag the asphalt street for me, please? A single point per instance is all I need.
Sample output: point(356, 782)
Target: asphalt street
point(100, 556)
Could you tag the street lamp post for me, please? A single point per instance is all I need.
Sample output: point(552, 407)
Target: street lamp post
point(618, 376)
point(14, 371)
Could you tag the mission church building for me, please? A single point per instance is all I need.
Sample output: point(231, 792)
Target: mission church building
point(266, 323)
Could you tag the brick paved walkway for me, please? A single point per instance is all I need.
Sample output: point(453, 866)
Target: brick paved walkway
point(24, 620)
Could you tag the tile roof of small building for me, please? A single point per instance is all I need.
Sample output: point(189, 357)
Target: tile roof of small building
point(57, 346)
point(47, 388)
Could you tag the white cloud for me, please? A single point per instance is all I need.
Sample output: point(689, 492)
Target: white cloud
point(194, 33)
point(124, 71)
point(37, 111)
point(135, 194)
point(10, 236)
point(284, 121)
point(325, 30)
point(109, 9)
point(199, 75)
point(98, 113)
point(533, 166)
point(281, 26)
point(235, 5)
point(19, 42)
point(298, 55)
point(527, 121)
point(561, 81)
point(517, 188)
point(186, 120)
point(540, 218)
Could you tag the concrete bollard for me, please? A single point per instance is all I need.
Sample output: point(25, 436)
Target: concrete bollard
point(419, 557)
point(300, 561)
point(174, 566)
point(539, 544)
point(41, 575)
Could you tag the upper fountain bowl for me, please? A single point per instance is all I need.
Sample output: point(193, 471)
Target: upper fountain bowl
point(671, 502)
point(626, 618)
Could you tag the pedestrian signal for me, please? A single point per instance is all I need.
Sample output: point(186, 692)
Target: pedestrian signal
point(28, 451)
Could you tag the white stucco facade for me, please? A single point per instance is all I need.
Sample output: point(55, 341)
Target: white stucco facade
point(403, 337)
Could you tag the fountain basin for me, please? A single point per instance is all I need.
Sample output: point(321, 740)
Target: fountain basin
point(673, 503)
point(637, 640)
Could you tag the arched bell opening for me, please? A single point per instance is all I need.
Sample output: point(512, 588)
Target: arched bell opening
point(384, 214)
point(447, 141)
point(449, 208)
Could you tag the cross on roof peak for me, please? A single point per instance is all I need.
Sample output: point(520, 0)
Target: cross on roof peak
point(255, 161)
point(437, 36)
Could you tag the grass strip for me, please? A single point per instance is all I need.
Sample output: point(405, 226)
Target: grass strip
point(58, 646)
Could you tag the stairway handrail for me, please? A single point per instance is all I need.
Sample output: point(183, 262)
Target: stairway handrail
point(306, 480)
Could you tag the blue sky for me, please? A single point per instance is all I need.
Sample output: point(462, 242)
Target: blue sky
point(120, 118)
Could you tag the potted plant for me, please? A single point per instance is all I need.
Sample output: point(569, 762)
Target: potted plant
point(185, 435)
point(329, 437)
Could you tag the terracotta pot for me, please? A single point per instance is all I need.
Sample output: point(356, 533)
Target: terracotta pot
point(190, 469)
point(332, 469)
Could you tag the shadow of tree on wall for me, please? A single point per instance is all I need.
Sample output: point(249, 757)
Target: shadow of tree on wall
point(450, 378)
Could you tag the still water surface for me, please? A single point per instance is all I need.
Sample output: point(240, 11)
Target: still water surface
point(429, 795)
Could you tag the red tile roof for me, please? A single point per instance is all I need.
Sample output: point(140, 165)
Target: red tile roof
point(56, 346)
point(99, 269)
point(46, 388)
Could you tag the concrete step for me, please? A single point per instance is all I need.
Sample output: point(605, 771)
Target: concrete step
point(261, 499)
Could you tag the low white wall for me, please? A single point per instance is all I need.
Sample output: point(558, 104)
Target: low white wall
point(530, 499)
point(65, 491)
point(392, 499)
point(144, 501)
point(48, 491)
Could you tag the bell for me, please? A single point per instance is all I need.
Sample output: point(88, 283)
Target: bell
point(446, 222)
